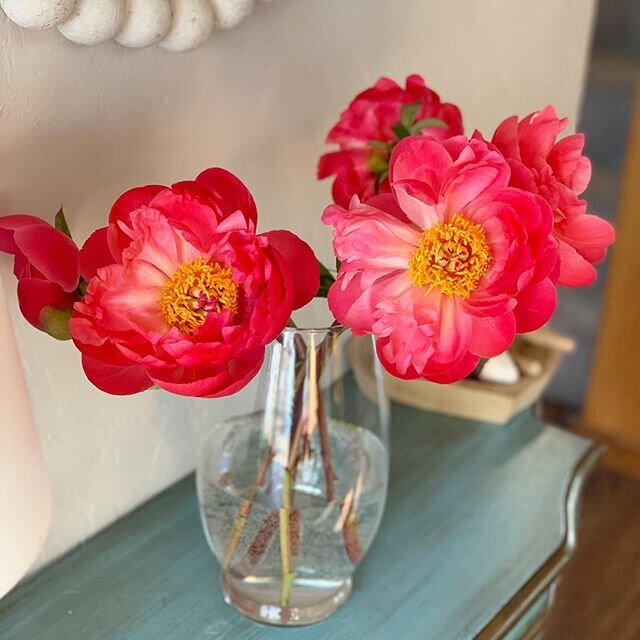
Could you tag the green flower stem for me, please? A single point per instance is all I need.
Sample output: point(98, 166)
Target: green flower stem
point(285, 541)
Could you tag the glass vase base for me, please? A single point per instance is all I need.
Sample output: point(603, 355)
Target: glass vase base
point(260, 599)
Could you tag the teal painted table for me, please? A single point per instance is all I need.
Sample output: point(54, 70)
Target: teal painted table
point(479, 522)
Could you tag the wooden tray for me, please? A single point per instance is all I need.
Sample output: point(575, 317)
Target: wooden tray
point(472, 399)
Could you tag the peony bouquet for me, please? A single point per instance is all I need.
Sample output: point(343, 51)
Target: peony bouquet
point(178, 290)
point(450, 245)
point(446, 246)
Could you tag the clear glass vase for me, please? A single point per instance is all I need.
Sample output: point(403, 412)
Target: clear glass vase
point(292, 493)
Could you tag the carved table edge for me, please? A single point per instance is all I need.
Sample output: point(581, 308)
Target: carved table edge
point(544, 578)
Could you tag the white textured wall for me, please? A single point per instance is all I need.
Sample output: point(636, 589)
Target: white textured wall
point(78, 126)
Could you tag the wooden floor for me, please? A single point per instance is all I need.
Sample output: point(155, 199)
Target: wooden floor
point(599, 596)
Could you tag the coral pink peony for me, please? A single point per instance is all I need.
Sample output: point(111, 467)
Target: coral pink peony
point(194, 295)
point(557, 170)
point(370, 127)
point(449, 266)
point(47, 267)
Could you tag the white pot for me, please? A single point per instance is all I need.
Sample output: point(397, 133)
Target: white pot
point(25, 498)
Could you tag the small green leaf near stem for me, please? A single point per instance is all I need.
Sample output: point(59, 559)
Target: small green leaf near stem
point(326, 280)
point(401, 131)
point(427, 122)
point(61, 223)
point(408, 114)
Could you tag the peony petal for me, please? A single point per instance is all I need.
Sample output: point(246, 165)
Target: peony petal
point(575, 271)
point(302, 263)
point(281, 283)
point(11, 223)
point(451, 372)
point(386, 202)
point(353, 300)
point(120, 213)
point(95, 253)
point(589, 234)
point(229, 194)
point(535, 306)
point(36, 294)
point(211, 382)
point(416, 170)
point(116, 380)
point(123, 300)
point(456, 372)
point(331, 163)
point(492, 336)
point(157, 242)
point(537, 134)
point(406, 374)
point(365, 237)
point(353, 182)
point(506, 138)
point(476, 183)
point(187, 210)
point(453, 333)
point(51, 252)
point(568, 163)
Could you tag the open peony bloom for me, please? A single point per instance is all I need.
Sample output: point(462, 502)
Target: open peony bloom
point(557, 170)
point(372, 124)
point(193, 295)
point(46, 264)
point(446, 268)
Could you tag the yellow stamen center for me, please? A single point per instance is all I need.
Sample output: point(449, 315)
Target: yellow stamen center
point(196, 289)
point(452, 256)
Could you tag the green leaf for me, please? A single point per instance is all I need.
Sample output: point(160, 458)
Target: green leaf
point(408, 114)
point(378, 163)
point(55, 322)
point(381, 146)
point(61, 223)
point(401, 131)
point(427, 122)
point(326, 280)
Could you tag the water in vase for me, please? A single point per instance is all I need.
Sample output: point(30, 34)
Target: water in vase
point(247, 525)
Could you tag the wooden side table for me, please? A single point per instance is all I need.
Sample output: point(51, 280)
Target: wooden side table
point(479, 524)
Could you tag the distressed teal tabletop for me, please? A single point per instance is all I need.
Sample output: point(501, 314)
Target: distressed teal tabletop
point(473, 512)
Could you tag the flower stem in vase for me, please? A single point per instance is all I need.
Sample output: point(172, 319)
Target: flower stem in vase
point(245, 511)
point(309, 414)
point(285, 541)
point(325, 451)
point(348, 522)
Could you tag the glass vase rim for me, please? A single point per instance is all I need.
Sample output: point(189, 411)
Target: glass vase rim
point(335, 327)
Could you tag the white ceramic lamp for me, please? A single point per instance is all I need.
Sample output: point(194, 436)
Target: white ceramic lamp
point(25, 498)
